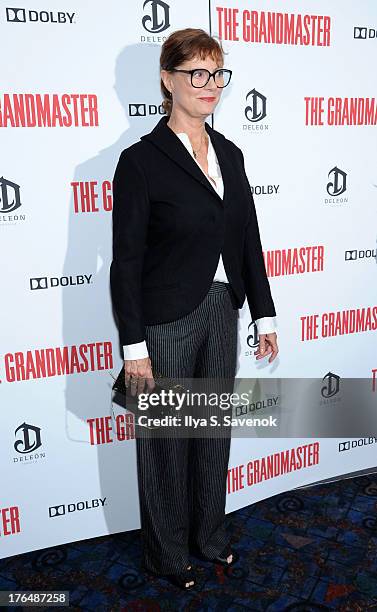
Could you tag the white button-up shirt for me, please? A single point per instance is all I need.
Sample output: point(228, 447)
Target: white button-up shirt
point(265, 325)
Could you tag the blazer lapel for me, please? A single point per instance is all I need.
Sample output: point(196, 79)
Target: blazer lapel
point(163, 137)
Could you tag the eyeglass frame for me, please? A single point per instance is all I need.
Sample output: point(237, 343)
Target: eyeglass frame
point(211, 74)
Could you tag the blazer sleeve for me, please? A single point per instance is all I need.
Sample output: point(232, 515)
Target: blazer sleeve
point(254, 273)
point(131, 210)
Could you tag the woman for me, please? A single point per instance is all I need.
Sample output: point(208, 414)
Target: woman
point(186, 251)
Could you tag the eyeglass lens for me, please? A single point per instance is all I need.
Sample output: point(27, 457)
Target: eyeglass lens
point(201, 77)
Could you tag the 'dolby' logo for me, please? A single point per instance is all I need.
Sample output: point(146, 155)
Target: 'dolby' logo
point(361, 33)
point(17, 15)
point(21, 15)
point(47, 282)
point(142, 109)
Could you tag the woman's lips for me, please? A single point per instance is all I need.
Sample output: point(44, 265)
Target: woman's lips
point(209, 99)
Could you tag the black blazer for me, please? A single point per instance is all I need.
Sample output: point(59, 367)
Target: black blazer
point(169, 228)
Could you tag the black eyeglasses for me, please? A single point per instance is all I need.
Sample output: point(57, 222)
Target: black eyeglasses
point(201, 76)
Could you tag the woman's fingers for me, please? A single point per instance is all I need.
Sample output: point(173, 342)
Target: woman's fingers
point(261, 354)
point(137, 371)
point(130, 369)
point(275, 351)
point(267, 346)
point(150, 382)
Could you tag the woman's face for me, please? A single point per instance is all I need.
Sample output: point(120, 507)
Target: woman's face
point(197, 102)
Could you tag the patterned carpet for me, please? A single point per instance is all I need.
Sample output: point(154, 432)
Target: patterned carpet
point(306, 550)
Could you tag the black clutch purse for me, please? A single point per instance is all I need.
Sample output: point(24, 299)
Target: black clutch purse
point(162, 383)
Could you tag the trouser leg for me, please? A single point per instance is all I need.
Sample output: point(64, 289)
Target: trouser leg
point(209, 456)
point(162, 463)
point(162, 467)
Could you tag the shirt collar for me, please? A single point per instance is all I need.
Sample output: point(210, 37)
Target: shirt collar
point(213, 165)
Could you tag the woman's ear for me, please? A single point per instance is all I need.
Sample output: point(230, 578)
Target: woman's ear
point(165, 76)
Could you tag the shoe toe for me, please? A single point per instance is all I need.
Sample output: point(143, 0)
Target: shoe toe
point(223, 558)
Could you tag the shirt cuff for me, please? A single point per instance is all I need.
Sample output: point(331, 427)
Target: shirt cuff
point(266, 325)
point(138, 350)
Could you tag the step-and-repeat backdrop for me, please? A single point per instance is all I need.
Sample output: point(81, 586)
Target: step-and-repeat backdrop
point(79, 83)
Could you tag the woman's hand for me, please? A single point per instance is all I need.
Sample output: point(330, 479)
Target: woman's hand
point(137, 371)
point(267, 346)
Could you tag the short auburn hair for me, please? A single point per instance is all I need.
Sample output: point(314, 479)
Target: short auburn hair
point(183, 45)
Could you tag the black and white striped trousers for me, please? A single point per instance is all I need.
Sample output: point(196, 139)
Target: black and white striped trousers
point(182, 481)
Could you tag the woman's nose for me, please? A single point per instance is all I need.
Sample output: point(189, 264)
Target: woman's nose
point(211, 85)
